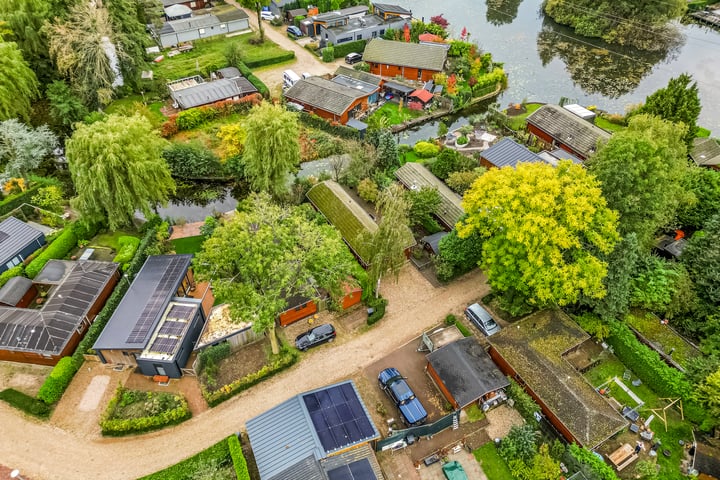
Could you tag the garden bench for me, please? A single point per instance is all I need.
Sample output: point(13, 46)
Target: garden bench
point(161, 378)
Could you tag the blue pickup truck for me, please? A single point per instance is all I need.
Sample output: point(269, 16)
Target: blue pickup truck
point(394, 384)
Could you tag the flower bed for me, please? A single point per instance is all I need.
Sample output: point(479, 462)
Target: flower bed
point(134, 411)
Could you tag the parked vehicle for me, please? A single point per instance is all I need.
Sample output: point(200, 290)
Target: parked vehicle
point(315, 336)
point(352, 58)
point(268, 15)
point(290, 78)
point(394, 384)
point(306, 75)
point(482, 319)
point(294, 31)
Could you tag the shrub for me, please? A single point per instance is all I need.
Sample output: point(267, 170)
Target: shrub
point(368, 190)
point(55, 384)
point(213, 355)
point(285, 56)
point(124, 426)
point(358, 46)
point(461, 182)
point(328, 54)
point(8, 274)
point(426, 149)
point(378, 304)
point(236, 453)
point(128, 247)
point(13, 201)
point(56, 250)
point(191, 468)
point(524, 403)
point(588, 460)
point(462, 140)
point(26, 403)
point(314, 121)
point(192, 161)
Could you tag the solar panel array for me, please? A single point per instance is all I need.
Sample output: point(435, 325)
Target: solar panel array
point(182, 312)
point(338, 416)
point(165, 345)
point(172, 328)
point(360, 470)
point(174, 268)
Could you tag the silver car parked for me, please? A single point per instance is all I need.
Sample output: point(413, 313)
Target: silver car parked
point(482, 319)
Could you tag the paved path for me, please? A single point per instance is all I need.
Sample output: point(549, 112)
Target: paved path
point(46, 451)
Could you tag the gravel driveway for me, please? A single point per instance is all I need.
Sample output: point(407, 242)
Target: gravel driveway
point(47, 451)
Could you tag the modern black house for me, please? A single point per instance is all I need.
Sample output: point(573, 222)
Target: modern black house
point(18, 240)
point(156, 325)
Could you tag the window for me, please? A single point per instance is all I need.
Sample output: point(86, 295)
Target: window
point(358, 36)
point(374, 34)
point(382, 32)
point(201, 31)
point(193, 4)
point(419, 73)
point(160, 370)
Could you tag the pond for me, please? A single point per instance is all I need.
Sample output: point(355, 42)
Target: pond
point(546, 61)
point(193, 201)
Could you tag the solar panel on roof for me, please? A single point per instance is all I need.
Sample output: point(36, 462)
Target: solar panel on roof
point(359, 470)
point(184, 312)
point(164, 345)
point(172, 328)
point(338, 416)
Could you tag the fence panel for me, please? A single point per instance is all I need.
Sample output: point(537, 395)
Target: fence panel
point(398, 437)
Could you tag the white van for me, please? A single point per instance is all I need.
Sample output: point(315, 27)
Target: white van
point(306, 75)
point(290, 78)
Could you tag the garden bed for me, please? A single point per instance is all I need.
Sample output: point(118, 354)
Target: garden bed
point(395, 114)
point(135, 411)
point(243, 362)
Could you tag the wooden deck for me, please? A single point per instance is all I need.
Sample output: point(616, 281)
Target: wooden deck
point(707, 17)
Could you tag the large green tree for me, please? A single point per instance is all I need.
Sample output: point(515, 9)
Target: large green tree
point(65, 107)
point(117, 168)
point(272, 149)
point(18, 84)
point(83, 47)
point(25, 19)
point(257, 5)
point(544, 230)
point(22, 148)
point(679, 102)
point(704, 185)
point(131, 36)
point(622, 263)
point(268, 253)
point(641, 170)
point(702, 259)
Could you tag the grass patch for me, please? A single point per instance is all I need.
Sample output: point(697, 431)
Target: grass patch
point(26, 403)
point(409, 156)
point(129, 105)
point(213, 462)
point(605, 124)
point(474, 413)
point(702, 132)
point(662, 336)
point(517, 122)
point(395, 114)
point(492, 464)
point(209, 55)
point(110, 239)
point(188, 244)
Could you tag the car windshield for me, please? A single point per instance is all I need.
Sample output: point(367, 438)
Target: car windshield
point(311, 337)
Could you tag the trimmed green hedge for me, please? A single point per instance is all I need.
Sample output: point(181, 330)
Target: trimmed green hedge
point(8, 274)
point(314, 121)
point(55, 384)
point(588, 460)
point(358, 46)
point(190, 468)
point(285, 359)
point(11, 202)
point(56, 250)
point(280, 58)
point(117, 427)
point(241, 467)
point(524, 403)
point(257, 83)
point(128, 247)
point(379, 305)
point(26, 403)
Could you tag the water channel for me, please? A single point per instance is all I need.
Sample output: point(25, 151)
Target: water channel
point(546, 61)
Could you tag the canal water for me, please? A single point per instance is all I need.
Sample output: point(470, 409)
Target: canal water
point(194, 201)
point(546, 61)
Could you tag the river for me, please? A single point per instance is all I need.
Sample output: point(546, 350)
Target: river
point(546, 61)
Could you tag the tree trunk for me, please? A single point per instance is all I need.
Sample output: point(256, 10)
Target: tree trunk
point(258, 7)
point(273, 340)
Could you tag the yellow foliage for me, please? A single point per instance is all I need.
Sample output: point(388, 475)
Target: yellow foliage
point(232, 138)
point(14, 185)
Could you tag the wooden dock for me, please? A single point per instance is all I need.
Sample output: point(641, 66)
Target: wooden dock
point(708, 17)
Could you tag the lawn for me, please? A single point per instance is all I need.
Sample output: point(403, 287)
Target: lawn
point(474, 413)
point(129, 105)
point(396, 114)
point(110, 239)
point(492, 464)
point(209, 55)
point(188, 244)
point(517, 122)
point(608, 125)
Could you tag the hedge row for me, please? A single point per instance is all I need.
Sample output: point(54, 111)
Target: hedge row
point(11, 202)
point(358, 46)
point(194, 117)
point(257, 83)
point(57, 249)
point(191, 468)
point(58, 380)
point(286, 359)
point(314, 121)
point(378, 305)
point(26, 403)
point(118, 427)
point(236, 453)
point(523, 402)
point(588, 460)
point(8, 274)
point(286, 56)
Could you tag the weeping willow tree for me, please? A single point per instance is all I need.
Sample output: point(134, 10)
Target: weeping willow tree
point(18, 84)
point(85, 49)
point(117, 168)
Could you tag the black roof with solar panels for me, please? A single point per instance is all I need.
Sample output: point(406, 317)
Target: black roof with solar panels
point(156, 323)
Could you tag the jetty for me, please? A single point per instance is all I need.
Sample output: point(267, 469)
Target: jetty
point(708, 17)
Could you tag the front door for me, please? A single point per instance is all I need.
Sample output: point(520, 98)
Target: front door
point(160, 370)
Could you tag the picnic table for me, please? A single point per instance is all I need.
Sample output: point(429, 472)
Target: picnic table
point(623, 456)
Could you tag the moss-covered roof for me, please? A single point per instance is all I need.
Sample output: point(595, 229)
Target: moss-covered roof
point(416, 176)
point(534, 347)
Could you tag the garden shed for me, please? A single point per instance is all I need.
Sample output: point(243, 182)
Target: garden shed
point(465, 374)
point(507, 153)
point(221, 327)
point(558, 127)
point(18, 240)
point(705, 152)
point(416, 176)
point(532, 352)
point(320, 434)
point(43, 336)
point(345, 214)
point(338, 99)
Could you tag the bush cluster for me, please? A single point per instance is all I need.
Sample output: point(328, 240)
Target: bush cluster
point(328, 54)
point(314, 121)
point(358, 46)
point(26, 403)
point(524, 403)
point(285, 359)
point(194, 117)
point(589, 461)
point(379, 305)
point(11, 202)
point(426, 149)
point(125, 426)
point(8, 274)
point(213, 355)
point(128, 247)
point(57, 249)
point(239, 462)
point(58, 380)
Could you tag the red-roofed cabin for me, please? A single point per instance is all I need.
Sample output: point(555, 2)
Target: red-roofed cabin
point(422, 96)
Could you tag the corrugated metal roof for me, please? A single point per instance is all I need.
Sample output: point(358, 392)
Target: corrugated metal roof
point(192, 23)
point(705, 152)
point(415, 55)
point(467, 370)
point(415, 176)
point(508, 153)
point(15, 236)
point(567, 128)
point(326, 95)
point(14, 290)
point(211, 92)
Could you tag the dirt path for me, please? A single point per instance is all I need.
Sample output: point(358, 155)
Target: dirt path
point(48, 451)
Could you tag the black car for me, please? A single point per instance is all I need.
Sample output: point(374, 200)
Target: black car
point(315, 336)
point(353, 58)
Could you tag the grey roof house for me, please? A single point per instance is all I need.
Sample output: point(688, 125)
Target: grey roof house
point(18, 240)
point(317, 435)
point(413, 61)
point(360, 28)
point(705, 152)
point(507, 153)
point(416, 176)
point(560, 127)
point(195, 92)
point(201, 26)
point(337, 99)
